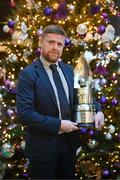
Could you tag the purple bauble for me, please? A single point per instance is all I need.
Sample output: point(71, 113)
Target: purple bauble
point(91, 132)
point(48, 11)
point(38, 52)
point(104, 15)
point(62, 11)
point(95, 9)
point(25, 174)
point(114, 77)
point(101, 70)
point(10, 112)
point(7, 83)
point(101, 29)
point(13, 90)
point(114, 102)
point(83, 130)
point(11, 24)
point(118, 14)
point(103, 99)
point(106, 172)
point(67, 41)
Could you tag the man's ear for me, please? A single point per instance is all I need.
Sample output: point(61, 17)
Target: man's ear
point(39, 42)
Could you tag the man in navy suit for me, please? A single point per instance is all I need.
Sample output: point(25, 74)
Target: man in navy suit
point(52, 137)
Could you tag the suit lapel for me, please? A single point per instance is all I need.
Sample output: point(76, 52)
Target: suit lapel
point(45, 80)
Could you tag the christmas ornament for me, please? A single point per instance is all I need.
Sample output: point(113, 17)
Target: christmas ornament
point(88, 37)
point(92, 143)
point(111, 128)
point(39, 32)
point(11, 31)
point(7, 150)
point(48, 11)
point(12, 58)
point(109, 34)
point(104, 15)
point(25, 174)
point(101, 70)
point(6, 28)
point(67, 41)
point(83, 130)
point(96, 84)
point(103, 81)
point(108, 136)
point(11, 24)
point(38, 52)
point(8, 83)
point(118, 14)
point(81, 29)
point(10, 86)
point(10, 112)
point(97, 36)
point(103, 99)
point(88, 56)
point(95, 9)
point(22, 144)
point(23, 36)
point(91, 132)
point(106, 172)
point(101, 29)
point(114, 102)
point(71, 8)
point(114, 77)
point(109, 3)
point(15, 35)
point(12, 4)
point(24, 27)
point(62, 11)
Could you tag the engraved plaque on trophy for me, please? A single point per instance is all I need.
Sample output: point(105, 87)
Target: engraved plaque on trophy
point(84, 110)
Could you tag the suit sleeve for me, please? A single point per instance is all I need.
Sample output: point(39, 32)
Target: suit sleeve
point(25, 107)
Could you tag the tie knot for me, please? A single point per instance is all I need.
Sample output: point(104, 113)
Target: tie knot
point(53, 67)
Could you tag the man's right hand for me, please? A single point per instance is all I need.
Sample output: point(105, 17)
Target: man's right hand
point(68, 126)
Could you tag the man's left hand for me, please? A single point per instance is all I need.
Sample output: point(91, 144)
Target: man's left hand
point(99, 120)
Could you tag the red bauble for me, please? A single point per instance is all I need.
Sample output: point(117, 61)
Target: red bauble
point(82, 36)
point(12, 4)
point(11, 31)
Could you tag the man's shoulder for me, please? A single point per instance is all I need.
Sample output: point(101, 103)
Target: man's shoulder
point(29, 71)
point(30, 67)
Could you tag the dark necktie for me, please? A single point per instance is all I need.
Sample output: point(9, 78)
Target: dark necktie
point(64, 105)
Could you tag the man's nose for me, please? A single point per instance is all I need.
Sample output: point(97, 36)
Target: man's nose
point(55, 46)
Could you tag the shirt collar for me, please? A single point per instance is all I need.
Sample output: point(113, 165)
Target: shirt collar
point(47, 64)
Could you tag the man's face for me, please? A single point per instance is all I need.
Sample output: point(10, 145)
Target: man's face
point(52, 47)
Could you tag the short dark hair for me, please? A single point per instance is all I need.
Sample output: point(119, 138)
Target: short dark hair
point(53, 29)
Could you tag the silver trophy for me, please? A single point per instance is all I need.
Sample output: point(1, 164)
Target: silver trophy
point(84, 110)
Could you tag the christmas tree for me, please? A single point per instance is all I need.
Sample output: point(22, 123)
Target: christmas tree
point(90, 33)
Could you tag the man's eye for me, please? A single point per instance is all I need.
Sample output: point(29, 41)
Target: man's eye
point(51, 42)
point(59, 44)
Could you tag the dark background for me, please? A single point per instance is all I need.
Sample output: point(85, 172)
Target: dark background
point(6, 11)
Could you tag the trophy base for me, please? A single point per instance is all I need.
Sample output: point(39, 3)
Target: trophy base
point(85, 125)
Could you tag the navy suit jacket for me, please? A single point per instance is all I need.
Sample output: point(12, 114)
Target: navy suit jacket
point(37, 109)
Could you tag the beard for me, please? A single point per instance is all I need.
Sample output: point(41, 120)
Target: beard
point(51, 57)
